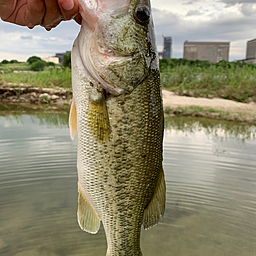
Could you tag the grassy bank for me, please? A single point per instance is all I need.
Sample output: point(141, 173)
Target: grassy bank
point(212, 113)
point(50, 78)
point(234, 81)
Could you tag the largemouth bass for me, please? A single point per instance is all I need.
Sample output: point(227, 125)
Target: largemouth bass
point(118, 116)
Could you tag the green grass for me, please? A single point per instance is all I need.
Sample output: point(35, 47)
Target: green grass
point(233, 82)
point(197, 111)
point(50, 78)
point(9, 68)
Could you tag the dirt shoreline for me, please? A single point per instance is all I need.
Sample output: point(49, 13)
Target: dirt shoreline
point(227, 109)
point(174, 105)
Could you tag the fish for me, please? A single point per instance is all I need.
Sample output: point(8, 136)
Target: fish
point(117, 114)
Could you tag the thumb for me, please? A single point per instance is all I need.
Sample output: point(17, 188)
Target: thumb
point(66, 4)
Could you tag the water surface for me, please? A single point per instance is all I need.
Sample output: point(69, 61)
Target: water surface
point(210, 169)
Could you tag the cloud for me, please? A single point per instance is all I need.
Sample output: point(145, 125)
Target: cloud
point(25, 42)
point(26, 37)
point(191, 2)
point(248, 9)
point(234, 2)
point(229, 26)
point(193, 13)
point(205, 20)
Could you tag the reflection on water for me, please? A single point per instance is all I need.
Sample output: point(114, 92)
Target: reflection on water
point(210, 169)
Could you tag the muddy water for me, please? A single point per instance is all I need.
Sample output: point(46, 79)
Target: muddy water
point(210, 169)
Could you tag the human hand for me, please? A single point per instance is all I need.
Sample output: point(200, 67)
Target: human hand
point(47, 13)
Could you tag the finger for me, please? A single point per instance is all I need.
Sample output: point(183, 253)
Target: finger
point(7, 8)
point(33, 13)
point(68, 8)
point(66, 4)
point(52, 14)
point(26, 13)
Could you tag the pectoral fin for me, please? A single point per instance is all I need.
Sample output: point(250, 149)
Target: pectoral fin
point(156, 207)
point(72, 120)
point(88, 220)
point(98, 120)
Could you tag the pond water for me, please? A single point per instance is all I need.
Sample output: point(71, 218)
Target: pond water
point(210, 169)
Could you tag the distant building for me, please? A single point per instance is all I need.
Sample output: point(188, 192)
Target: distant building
point(167, 47)
point(51, 59)
point(211, 51)
point(60, 56)
point(251, 51)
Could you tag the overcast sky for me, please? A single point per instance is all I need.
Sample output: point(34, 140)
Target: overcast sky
point(231, 21)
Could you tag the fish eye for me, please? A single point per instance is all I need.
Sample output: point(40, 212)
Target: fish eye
point(142, 14)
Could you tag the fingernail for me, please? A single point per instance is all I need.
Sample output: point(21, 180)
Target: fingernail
point(30, 26)
point(48, 27)
point(68, 4)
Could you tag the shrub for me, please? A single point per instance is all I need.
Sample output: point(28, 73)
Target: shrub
point(67, 60)
point(5, 62)
point(38, 65)
point(33, 59)
point(50, 64)
point(13, 61)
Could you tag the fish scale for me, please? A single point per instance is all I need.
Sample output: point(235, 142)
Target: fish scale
point(119, 138)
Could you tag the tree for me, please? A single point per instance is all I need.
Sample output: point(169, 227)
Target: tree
point(13, 61)
point(33, 59)
point(67, 60)
point(5, 62)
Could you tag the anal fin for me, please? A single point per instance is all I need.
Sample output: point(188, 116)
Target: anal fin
point(87, 218)
point(156, 207)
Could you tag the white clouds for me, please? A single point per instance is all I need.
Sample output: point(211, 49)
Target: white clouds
point(24, 42)
point(229, 21)
point(234, 2)
point(193, 13)
point(26, 37)
point(194, 20)
point(248, 9)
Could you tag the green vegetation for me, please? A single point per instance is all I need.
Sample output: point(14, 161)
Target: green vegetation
point(33, 63)
point(10, 67)
point(67, 60)
point(5, 62)
point(197, 111)
point(228, 80)
point(48, 78)
point(33, 59)
point(38, 65)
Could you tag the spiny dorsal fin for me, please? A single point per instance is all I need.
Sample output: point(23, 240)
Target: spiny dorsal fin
point(72, 120)
point(98, 120)
point(88, 220)
point(156, 207)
